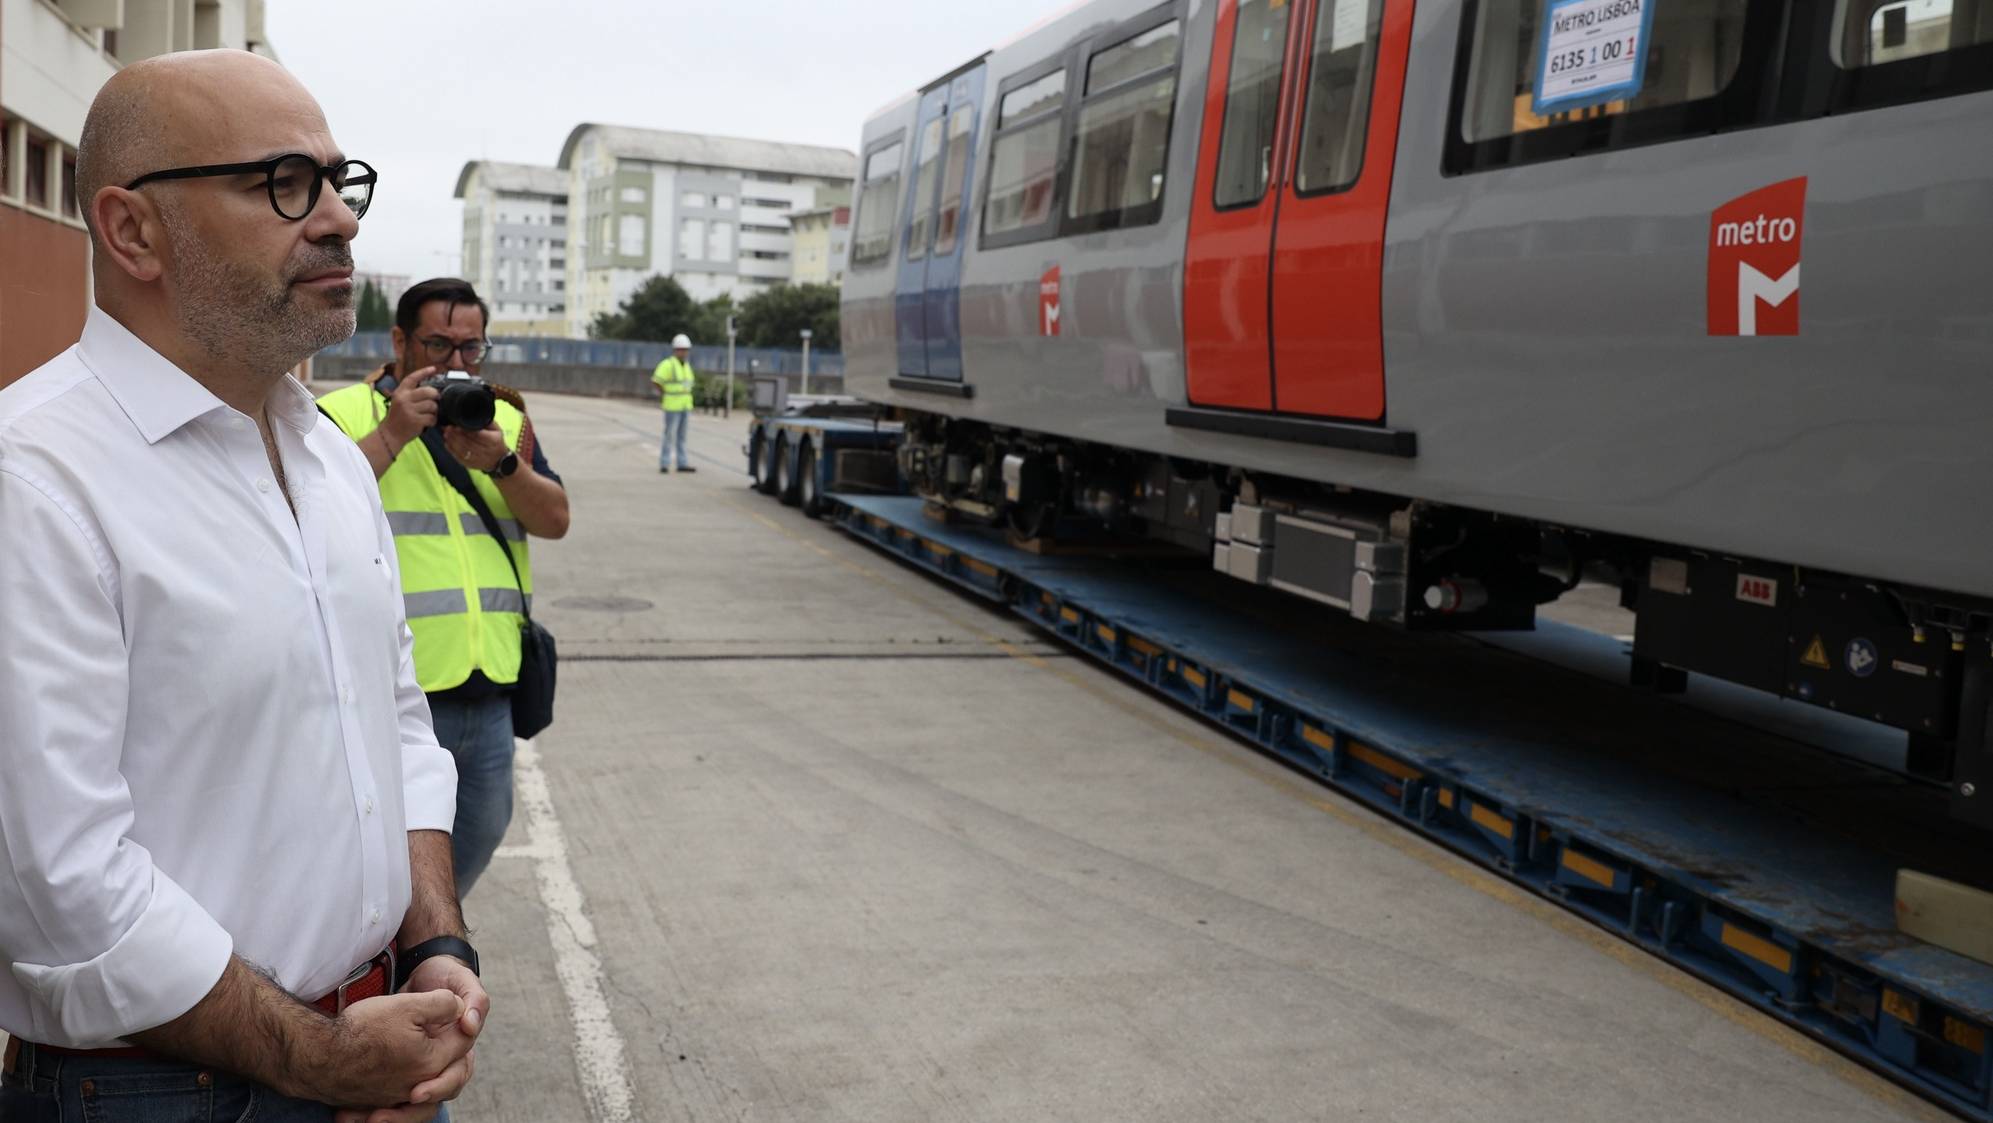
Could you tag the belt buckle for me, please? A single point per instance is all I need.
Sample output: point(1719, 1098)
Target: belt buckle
point(361, 972)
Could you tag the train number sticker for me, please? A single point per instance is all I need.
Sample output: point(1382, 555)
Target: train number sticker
point(1754, 261)
point(1593, 52)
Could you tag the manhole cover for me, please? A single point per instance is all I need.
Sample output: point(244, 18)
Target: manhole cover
point(603, 604)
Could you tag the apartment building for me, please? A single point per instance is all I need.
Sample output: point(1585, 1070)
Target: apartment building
point(712, 212)
point(54, 57)
point(823, 242)
point(515, 244)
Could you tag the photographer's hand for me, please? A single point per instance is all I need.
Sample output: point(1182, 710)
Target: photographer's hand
point(411, 409)
point(481, 449)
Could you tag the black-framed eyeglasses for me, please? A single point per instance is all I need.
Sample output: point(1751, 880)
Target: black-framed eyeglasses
point(439, 349)
point(294, 181)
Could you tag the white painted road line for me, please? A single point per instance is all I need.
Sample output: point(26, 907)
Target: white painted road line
point(598, 1048)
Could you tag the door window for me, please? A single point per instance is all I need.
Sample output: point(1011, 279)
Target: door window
point(922, 223)
point(1252, 102)
point(1337, 116)
point(955, 169)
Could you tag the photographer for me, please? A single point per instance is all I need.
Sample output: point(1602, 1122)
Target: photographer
point(463, 601)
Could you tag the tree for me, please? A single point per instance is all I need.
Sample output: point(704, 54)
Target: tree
point(658, 310)
point(373, 313)
point(775, 317)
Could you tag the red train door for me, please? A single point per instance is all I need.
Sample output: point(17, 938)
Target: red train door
point(1284, 266)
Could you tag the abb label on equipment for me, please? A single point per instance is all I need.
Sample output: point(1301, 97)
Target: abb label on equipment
point(1048, 302)
point(1754, 261)
point(1593, 52)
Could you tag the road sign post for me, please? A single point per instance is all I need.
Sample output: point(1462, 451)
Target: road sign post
point(806, 360)
point(727, 409)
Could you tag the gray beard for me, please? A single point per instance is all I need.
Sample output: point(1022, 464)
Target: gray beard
point(231, 311)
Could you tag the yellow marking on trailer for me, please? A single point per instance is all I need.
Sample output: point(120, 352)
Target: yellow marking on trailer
point(1193, 676)
point(1318, 738)
point(1965, 1035)
point(1758, 948)
point(1242, 701)
point(1382, 763)
point(1105, 633)
point(1901, 1006)
point(1070, 616)
point(1490, 819)
point(938, 548)
point(1588, 868)
point(877, 522)
point(1816, 655)
point(1144, 647)
point(984, 568)
point(1446, 798)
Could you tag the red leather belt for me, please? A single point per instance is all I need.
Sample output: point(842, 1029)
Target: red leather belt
point(371, 979)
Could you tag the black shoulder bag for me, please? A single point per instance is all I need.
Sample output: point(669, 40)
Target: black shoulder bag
point(533, 696)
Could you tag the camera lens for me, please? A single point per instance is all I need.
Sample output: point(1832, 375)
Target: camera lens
point(466, 403)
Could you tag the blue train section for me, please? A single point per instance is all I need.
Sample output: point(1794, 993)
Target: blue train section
point(1761, 864)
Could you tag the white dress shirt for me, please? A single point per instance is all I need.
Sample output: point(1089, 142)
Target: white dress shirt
point(210, 734)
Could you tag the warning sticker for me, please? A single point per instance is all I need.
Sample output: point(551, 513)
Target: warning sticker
point(1816, 655)
point(1593, 51)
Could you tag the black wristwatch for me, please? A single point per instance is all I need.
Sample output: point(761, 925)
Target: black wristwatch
point(506, 466)
point(408, 959)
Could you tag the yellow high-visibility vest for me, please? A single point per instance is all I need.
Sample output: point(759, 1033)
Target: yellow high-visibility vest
point(677, 379)
point(463, 606)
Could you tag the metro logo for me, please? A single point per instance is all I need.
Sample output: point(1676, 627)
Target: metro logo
point(1754, 261)
point(1048, 302)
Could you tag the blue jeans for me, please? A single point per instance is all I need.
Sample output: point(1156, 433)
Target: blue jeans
point(675, 424)
point(46, 1088)
point(478, 732)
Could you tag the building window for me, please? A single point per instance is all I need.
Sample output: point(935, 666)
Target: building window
point(1121, 142)
point(692, 239)
point(69, 186)
point(630, 235)
point(878, 204)
point(720, 242)
point(634, 195)
point(37, 172)
point(694, 199)
point(770, 204)
point(724, 202)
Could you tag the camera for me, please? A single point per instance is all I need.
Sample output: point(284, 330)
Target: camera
point(467, 401)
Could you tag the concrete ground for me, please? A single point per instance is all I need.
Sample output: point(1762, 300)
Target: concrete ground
point(816, 839)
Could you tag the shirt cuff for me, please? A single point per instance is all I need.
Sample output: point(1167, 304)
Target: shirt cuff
point(429, 788)
point(164, 964)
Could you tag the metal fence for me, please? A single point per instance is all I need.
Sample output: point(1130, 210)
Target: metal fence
point(612, 353)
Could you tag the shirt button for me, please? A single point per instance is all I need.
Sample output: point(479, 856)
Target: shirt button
point(346, 695)
point(374, 919)
point(370, 805)
point(263, 486)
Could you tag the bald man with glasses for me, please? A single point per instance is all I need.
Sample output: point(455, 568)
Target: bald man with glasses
point(225, 870)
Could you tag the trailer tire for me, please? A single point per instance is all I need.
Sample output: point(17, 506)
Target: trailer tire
point(771, 452)
point(754, 459)
point(785, 474)
point(807, 492)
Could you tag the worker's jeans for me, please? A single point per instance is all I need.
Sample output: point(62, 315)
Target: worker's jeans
point(118, 1090)
point(478, 732)
point(674, 437)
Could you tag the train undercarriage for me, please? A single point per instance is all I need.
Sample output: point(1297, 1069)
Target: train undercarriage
point(1916, 660)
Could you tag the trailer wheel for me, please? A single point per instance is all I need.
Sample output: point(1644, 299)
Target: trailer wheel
point(785, 474)
point(806, 480)
point(771, 455)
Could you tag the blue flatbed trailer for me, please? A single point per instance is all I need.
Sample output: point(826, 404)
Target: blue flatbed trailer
point(1760, 864)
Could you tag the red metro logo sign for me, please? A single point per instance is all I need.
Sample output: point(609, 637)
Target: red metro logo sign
point(1754, 261)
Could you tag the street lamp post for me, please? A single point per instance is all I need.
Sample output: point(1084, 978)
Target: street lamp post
point(726, 410)
point(806, 360)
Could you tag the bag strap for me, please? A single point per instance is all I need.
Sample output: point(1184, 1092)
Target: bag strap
point(459, 478)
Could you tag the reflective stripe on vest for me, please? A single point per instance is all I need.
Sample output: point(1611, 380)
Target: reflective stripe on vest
point(458, 592)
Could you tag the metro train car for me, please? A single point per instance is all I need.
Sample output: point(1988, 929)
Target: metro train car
point(1425, 310)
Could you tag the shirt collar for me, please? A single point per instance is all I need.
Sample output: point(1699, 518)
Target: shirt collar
point(158, 396)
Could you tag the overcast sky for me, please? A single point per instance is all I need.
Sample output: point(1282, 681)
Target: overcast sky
point(418, 87)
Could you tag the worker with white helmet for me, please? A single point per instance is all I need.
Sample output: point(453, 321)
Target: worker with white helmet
point(674, 376)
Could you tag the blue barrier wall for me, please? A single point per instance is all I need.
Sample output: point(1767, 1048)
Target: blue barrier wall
point(612, 353)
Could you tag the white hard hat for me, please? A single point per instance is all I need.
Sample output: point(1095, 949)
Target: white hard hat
point(681, 342)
